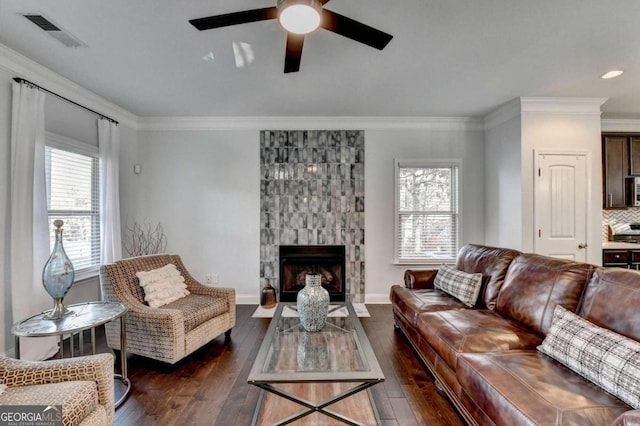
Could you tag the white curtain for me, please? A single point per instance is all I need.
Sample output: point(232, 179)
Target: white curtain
point(109, 147)
point(29, 246)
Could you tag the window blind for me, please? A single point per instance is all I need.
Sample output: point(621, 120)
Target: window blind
point(73, 185)
point(427, 212)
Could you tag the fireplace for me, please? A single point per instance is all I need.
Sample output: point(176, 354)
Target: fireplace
point(298, 261)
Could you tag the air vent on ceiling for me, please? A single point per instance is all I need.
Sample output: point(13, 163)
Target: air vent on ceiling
point(54, 30)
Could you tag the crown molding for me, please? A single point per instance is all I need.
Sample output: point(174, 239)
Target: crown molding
point(563, 105)
point(515, 108)
point(28, 69)
point(506, 112)
point(316, 123)
point(620, 125)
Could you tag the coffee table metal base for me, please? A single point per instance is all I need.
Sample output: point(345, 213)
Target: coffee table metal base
point(311, 407)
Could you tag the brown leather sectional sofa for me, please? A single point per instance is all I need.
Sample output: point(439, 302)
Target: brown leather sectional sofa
point(485, 358)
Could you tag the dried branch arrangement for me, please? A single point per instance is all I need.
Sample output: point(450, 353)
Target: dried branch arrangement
point(142, 239)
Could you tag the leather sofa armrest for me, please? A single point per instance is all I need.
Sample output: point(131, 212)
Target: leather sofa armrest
point(630, 418)
point(419, 279)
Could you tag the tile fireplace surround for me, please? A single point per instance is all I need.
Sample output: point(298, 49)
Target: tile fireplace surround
point(312, 193)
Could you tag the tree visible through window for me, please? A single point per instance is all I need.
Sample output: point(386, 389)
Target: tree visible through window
point(73, 186)
point(427, 218)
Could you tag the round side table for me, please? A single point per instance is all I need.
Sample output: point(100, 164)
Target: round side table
point(83, 316)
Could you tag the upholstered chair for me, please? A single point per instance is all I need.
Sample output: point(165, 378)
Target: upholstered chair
point(82, 385)
point(170, 332)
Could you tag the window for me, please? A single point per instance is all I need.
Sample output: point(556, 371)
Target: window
point(73, 195)
point(427, 228)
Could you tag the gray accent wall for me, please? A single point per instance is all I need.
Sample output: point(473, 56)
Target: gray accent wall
point(312, 193)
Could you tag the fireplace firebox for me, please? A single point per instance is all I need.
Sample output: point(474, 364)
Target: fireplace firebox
point(298, 261)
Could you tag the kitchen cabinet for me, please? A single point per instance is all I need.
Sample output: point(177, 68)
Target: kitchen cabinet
point(621, 258)
point(634, 155)
point(615, 170)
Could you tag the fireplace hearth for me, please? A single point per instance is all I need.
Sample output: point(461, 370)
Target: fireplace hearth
point(298, 261)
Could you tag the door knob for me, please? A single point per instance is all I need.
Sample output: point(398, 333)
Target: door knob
point(583, 245)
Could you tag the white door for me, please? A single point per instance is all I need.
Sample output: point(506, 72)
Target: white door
point(561, 205)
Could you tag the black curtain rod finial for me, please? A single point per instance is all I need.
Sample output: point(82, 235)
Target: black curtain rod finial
point(32, 84)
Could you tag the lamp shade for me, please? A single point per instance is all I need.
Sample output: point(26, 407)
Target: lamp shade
point(299, 16)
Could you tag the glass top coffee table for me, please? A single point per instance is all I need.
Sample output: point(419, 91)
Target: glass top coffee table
point(332, 366)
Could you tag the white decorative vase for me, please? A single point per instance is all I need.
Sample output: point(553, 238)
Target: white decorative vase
point(313, 304)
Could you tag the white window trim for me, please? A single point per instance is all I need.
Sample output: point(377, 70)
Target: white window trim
point(417, 162)
point(61, 142)
point(73, 145)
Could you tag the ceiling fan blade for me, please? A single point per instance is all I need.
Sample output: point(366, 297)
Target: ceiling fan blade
point(324, 2)
point(354, 30)
point(235, 18)
point(294, 52)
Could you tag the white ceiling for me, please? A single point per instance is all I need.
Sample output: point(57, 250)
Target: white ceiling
point(448, 58)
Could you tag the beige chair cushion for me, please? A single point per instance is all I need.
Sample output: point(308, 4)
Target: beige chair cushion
point(78, 398)
point(197, 309)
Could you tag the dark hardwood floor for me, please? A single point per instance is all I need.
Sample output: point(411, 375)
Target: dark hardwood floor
point(210, 386)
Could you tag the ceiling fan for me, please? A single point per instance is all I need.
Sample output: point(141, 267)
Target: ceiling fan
point(299, 18)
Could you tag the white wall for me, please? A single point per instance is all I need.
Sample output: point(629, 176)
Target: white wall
point(557, 131)
point(529, 125)
point(502, 187)
point(381, 148)
point(204, 187)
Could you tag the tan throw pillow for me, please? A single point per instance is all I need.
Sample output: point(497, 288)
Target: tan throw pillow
point(463, 286)
point(163, 285)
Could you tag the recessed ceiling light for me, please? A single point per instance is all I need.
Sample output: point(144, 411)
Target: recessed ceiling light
point(611, 74)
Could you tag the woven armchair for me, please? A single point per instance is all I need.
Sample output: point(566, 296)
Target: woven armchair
point(173, 331)
point(83, 386)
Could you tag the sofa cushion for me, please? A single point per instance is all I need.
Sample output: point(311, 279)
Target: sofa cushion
point(607, 359)
point(492, 263)
point(78, 398)
point(197, 309)
point(411, 303)
point(613, 287)
point(528, 387)
point(451, 333)
point(462, 285)
point(535, 284)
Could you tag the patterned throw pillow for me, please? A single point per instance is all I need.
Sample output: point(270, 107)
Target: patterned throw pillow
point(601, 356)
point(461, 285)
point(163, 285)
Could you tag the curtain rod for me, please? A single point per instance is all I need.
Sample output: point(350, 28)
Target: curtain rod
point(22, 80)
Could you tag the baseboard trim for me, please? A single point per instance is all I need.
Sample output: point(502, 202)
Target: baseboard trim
point(247, 299)
point(377, 299)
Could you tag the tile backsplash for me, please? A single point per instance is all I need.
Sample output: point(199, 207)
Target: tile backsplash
point(630, 215)
point(312, 193)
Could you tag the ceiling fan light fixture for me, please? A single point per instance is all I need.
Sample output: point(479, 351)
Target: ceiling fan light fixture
point(299, 16)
